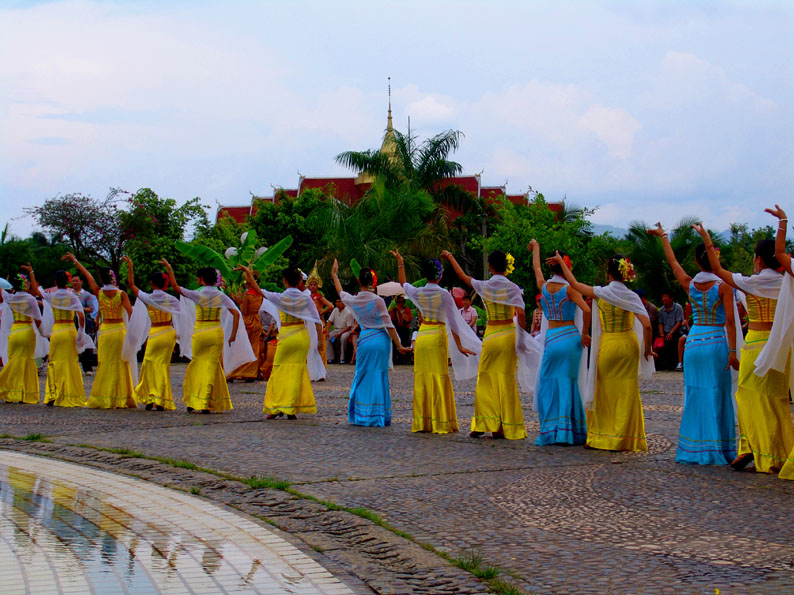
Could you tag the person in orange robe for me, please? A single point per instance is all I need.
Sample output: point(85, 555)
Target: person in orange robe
point(249, 303)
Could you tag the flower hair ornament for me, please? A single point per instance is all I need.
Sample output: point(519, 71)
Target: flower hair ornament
point(68, 278)
point(23, 281)
point(627, 270)
point(113, 277)
point(374, 279)
point(439, 268)
point(567, 260)
point(218, 277)
point(511, 261)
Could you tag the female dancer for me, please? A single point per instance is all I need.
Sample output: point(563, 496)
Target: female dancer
point(20, 341)
point(558, 399)
point(113, 384)
point(249, 303)
point(614, 410)
point(289, 390)
point(152, 321)
point(766, 431)
point(442, 327)
point(370, 402)
point(497, 408)
point(707, 435)
point(208, 324)
point(64, 386)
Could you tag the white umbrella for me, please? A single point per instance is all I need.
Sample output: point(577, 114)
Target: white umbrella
point(5, 284)
point(390, 288)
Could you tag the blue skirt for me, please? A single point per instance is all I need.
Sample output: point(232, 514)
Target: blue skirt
point(370, 403)
point(707, 435)
point(562, 418)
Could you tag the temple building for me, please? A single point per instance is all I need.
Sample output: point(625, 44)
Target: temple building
point(351, 189)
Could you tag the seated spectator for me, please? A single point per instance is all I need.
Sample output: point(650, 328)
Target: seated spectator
point(401, 317)
point(671, 317)
point(469, 313)
point(341, 324)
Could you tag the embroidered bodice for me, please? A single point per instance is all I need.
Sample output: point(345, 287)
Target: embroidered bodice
point(557, 306)
point(707, 307)
point(111, 308)
point(614, 319)
point(499, 311)
point(760, 309)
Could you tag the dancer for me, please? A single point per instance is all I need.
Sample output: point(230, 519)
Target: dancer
point(289, 390)
point(563, 369)
point(777, 352)
point(765, 427)
point(64, 387)
point(370, 401)
point(153, 321)
point(210, 328)
point(20, 341)
point(497, 408)
point(707, 435)
point(113, 384)
point(249, 303)
point(442, 335)
point(621, 333)
point(314, 283)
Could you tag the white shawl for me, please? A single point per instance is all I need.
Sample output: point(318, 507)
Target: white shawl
point(299, 304)
point(64, 299)
point(777, 351)
point(464, 367)
point(578, 322)
point(23, 303)
point(234, 355)
point(617, 294)
point(500, 290)
point(370, 311)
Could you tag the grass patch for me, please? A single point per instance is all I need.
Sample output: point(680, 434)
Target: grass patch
point(5, 436)
point(318, 548)
point(366, 513)
point(35, 438)
point(127, 453)
point(195, 490)
point(501, 587)
point(257, 482)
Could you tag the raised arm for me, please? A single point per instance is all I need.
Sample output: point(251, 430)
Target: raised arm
point(171, 276)
point(580, 287)
point(446, 255)
point(249, 277)
point(83, 271)
point(34, 286)
point(534, 247)
point(130, 275)
point(680, 274)
point(780, 239)
point(400, 266)
point(714, 259)
point(335, 277)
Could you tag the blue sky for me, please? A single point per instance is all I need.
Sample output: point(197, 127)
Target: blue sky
point(652, 110)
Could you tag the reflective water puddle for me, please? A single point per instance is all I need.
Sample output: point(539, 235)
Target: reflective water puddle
point(70, 529)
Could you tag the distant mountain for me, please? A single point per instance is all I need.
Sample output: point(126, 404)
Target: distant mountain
point(615, 232)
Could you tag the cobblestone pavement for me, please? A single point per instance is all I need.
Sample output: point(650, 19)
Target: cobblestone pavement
point(555, 519)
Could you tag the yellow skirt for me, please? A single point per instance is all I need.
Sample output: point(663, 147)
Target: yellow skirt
point(112, 388)
point(497, 407)
point(616, 421)
point(19, 379)
point(64, 386)
point(765, 426)
point(289, 390)
point(205, 383)
point(253, 329)
point(154, 380)
point(434, 400)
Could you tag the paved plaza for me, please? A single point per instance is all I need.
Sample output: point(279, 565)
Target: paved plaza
point(553, 519)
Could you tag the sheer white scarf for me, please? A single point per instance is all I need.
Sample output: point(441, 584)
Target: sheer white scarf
point(234, 355)
point(777, 351)
point(370, 311)
point(23, 303)
point(299, 304)
point(617, 294)
point(500, 290)
point(64, 299)
point(464, 367)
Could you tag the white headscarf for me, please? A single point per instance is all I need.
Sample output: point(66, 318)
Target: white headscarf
point(23, 303)
point(500, 290)
point(777, 351)
point(64, 299)
point(299, 304)
point(234, 355)
point(463, 367)
point(617, 294)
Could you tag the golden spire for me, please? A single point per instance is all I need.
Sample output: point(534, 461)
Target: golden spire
point(389, 143)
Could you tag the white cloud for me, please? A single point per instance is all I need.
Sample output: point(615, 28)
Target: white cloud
point(615, 127)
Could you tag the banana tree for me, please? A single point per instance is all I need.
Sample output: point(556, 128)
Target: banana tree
point(247, 253)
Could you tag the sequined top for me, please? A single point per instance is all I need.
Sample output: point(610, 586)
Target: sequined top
point(158, 316)
point(760, 309)
point(557, 306)
point(614, 319)
point(707, 307)
point(289, 318)
point(111, 308)
point(499, 311)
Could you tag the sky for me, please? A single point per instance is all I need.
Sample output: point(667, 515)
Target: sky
point(640, 110)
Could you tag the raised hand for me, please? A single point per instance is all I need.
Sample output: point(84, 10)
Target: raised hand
point(69, 256)
point(776, 212)
point(533, 245)
point(657, 231)
point(335, 267)
point(396, 254)
point(556, 259)
point(165, 263)
point(446, 254)
point(243, 268)
point(701, 230)
point(27, 268)
point(127, 259)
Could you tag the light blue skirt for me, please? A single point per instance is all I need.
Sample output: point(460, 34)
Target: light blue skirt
point(707, 435)
point(370, 403)
point(562, 418)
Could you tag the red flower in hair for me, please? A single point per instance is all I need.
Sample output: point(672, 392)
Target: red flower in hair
point(374, 279)
point(567, 260)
